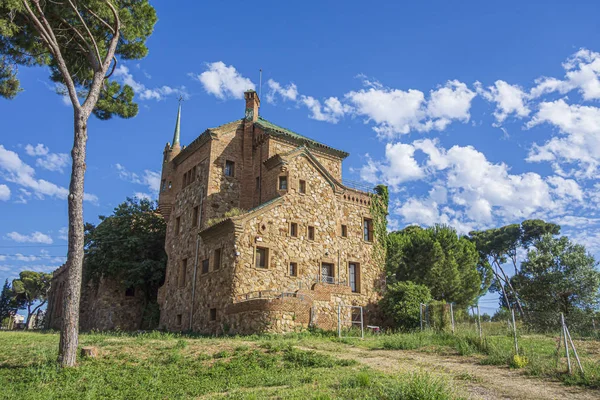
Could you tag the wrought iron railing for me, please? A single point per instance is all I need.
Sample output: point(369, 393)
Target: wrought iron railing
point(268, 295)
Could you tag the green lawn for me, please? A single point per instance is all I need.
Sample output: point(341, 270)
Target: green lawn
point(171, 366)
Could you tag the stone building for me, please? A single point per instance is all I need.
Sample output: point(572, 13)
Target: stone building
point(262, 235)
point(104, 305)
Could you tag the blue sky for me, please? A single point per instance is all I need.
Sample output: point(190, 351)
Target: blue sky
point(476, 114)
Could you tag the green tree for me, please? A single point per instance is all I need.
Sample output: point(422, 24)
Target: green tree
point(9, 303)
point(128, 246)
point(559, 276)
point(439, 259)
point(499, 246)
point(402, 301)
point(80, 42)
point(31, 291)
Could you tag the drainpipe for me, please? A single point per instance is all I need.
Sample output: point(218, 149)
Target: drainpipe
point(194, 282)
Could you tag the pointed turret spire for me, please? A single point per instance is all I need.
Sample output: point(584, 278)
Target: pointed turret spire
point(176, 135)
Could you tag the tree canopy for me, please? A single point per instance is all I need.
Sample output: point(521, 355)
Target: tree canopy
point(9, 303)
point(128, 246)
point(439, 259)
point(31, 291)
point(558, 276)
point(498, 246)
point(75, 39)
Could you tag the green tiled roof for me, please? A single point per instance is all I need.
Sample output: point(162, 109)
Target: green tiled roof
point(277, 130)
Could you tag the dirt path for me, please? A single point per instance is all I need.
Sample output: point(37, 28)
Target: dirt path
point(480, 381)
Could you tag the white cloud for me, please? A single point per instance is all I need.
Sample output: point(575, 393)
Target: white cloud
point(580, 143)
point(223, 81)
point(35, 237)
point(142, 196)
point(47, 160)
point(4, 193)
point(13, 169)
point(400, 166)
point(289, 92)
point(29, 258)
point(582, 72)
point(38, 150)
point(150, 178)
point(477, 191)
point(396, 111)
point(144, 93)
point(332, 109)
point(509, 99)
point(63, 233)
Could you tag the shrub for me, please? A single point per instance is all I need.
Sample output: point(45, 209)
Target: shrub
point(402, 302)
point(519, 361)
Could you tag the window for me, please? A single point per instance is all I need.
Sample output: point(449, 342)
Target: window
point(163, 185)
point(258, 183)
point(262, 257)
point(368, 229)
point(327, 273)
point(344, 230)
point(229, 168)
point(205, 266)
point(302, 186)
point(178, 320)
point(311, 233)
point(182, 272)
point(217, 259)
point(177, 225)
point(213, 314)
point(195, 217)
point(293, 269)
point(130, 292)
point(283, 183)
point(354, 276)
point(294, 229)
point(170, 185)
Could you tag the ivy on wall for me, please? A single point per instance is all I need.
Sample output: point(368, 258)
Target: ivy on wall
point(379, 212)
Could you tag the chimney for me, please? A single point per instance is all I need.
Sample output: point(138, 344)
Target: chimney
point(252, 105)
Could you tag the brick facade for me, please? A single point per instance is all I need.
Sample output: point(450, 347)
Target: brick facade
point(234, 274)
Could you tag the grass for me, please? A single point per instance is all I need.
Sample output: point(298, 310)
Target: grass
point(157, 365)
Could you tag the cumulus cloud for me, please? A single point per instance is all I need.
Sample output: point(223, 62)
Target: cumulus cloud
point(47, 160)
point(145, 93)
point(13, 169)
point(332, 110)
point(509, 100)
point(4, 193)
point(466, 188)
point(63, 233)
point(582, 72)
point(35, 237)
point(395, 111)
point(579, 144)
point(223, 81)
point(149, 178)
point(289, 92)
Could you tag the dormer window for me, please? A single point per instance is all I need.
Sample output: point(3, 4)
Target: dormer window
point(283, 183)
point(229, 168)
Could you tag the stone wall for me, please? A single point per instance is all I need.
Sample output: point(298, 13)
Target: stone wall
point(103, 306)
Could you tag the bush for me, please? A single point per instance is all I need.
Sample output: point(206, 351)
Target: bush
point(402, 302)
point(519, 361)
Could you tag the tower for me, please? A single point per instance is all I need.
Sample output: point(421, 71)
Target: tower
point(165, 196)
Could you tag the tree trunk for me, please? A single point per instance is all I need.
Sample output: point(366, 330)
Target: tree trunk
point(69, 333)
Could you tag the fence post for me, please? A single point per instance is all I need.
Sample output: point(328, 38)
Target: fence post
point(515, 330)
point(421, 315)
point(574, 349)
point(339, 322)
point(479, 324)
point(452, 316)
point(362, 329)
point(564, 329)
